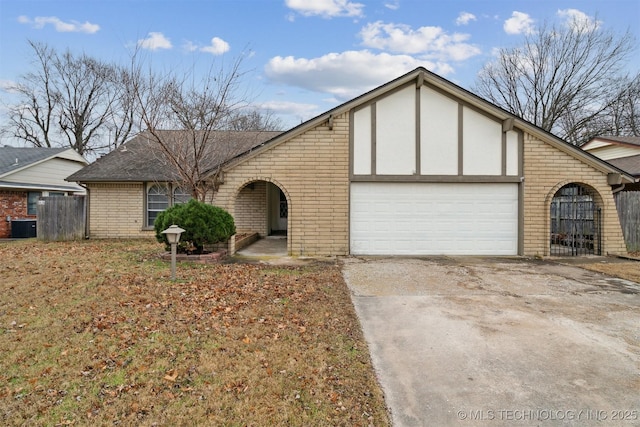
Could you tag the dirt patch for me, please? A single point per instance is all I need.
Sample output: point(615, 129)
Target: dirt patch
point(95, 333)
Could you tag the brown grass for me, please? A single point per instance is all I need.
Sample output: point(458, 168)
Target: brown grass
point(629, 270)
point(94, 333)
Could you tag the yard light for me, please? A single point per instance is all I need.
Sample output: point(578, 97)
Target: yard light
point(173, 236)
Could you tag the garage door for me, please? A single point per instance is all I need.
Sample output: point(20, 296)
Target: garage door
point(434, 219)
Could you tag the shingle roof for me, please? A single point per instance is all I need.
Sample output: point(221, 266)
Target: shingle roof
point(140, 159)
point(12, 158)
point(630, 164)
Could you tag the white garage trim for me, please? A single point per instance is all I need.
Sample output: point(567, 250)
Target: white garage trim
point(390, 218)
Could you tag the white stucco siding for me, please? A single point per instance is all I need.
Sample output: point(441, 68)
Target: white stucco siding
point(362, 141)
point(428, 134)
point(482, 144)
point(513, 160)
point(439, 134)
point(396, 133)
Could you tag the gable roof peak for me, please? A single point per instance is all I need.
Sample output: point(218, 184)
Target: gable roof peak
point(14, 158)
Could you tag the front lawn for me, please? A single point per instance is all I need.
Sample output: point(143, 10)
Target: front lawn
point(95, 333)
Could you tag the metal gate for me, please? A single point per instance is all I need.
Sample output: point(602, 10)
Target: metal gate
point(575, 223)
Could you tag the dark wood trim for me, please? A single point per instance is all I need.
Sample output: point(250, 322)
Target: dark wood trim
point(352, 141)
point(460, 139)
point(437, 178)
point(504, 153)
point(418, 93)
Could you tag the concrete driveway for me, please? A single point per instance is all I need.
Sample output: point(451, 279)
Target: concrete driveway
point(469, 341)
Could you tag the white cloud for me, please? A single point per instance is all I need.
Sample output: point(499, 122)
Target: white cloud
point(394, 5)
point(465, 17)
point(519, 23)
point(40, 22)
point(575, 19)
point(326, 8)
point(347, 74)
point(190, 46)
point(217, 46)
point(155, 41)
point(8, 86)
point(431, 42)
point(299, 112)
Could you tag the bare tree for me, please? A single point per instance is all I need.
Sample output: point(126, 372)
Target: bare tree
point(253, 119)
point(31, 120)
point(189, 119)
point(560, 78)
point(74, 101)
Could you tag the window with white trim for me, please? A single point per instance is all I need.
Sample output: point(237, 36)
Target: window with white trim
point(157, 201)
point(32, 202)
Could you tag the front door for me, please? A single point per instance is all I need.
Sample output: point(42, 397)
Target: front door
point(278, 210)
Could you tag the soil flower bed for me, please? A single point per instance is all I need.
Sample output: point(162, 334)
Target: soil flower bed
point(95, 333)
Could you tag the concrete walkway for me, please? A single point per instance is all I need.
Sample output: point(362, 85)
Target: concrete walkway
point(270, 250)
point(267, 247)
point(467, 341)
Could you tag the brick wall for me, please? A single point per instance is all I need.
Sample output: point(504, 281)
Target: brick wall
point(117, 211)
point(312, 170)
point(251, 209)
point(546, 170)
point(13, 204)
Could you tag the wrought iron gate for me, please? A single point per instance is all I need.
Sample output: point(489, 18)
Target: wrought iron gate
point(575, 223)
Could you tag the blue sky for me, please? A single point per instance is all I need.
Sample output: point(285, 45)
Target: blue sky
point(303, 57)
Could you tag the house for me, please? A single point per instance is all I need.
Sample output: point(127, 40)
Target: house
point(621, 151)
point(26, 174)
point(417, 166)
point(131, 185)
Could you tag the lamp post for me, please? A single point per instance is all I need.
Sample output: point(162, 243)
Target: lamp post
point(173, 236)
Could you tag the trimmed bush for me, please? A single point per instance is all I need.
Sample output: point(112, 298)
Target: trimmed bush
point(203, 224)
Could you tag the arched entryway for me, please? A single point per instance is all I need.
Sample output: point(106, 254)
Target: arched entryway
point(576, 223)
point(262, 207)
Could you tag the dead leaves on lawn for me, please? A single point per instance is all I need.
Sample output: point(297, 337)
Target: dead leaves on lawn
point(94, 333)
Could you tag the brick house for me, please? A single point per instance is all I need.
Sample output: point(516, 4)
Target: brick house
point(26, 174)
point(416, 166)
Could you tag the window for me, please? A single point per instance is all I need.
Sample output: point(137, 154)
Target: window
point(157, 201)
point(180, 195)
point(32, 202)
point(56, 194)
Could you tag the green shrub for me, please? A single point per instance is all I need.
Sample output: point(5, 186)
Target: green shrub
point(203, 224)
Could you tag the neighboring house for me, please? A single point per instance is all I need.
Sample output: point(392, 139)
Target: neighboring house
point(417, 166)
point(621, 151)
point(26, 174)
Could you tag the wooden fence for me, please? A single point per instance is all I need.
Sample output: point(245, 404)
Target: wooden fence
point(628, 204)
point(61, 218)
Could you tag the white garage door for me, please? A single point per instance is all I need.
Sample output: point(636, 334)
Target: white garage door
point(434, 219)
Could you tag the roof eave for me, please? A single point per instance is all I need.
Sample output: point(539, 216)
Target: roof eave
point(37, 162)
